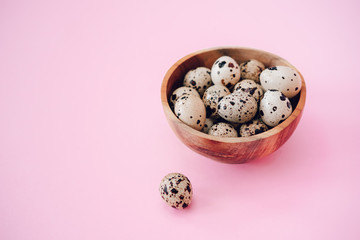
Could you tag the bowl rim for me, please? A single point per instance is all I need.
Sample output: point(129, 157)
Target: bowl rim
point(273, 131)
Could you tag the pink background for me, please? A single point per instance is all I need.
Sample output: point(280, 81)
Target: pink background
point(84, 142)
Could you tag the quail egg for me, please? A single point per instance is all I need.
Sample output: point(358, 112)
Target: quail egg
point(225, 71)
point(252, 127)
point(176, 190)
point(199, 79)
point(251, 69)
point(282, 78)
point(179, 92)
point(223, 130)
point(191, 110)
point(251, 87)
point(275, 107)
point(238, 107)
point(211, 99)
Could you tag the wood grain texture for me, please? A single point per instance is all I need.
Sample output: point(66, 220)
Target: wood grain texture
point(229, 150)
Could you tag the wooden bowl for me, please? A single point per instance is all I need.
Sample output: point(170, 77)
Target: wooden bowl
point(229, 150)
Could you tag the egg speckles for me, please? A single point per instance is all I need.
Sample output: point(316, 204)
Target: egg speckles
point(191, 110)
point(251, 87)
point(252, 127)
point(251, 69)
point(238, 107)
point(209, 122)
point(199, 79)
point(211, 99)
point(176, 190)
point(223, 130)
point(225, 71)
point(275, 107)
point(282, 78)
point(179, 92)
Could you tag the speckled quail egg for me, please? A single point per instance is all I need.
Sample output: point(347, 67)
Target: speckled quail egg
point(191, 110)
point(176, 190)
point(225, 71)
point(252, 127)
point(179, 92)
point(209, 122)
point(211, 99)
point(223, 130)
point(199, 79)
point(251, 69)
point(282, 78)
point(238, 107)
point(251, 87)
point(275, 107)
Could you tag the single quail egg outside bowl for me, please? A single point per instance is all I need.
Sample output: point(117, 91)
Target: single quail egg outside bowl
point(230, 149)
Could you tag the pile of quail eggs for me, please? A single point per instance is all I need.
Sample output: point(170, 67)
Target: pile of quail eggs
point(235, 100)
